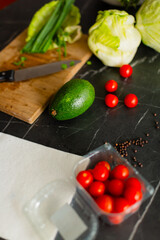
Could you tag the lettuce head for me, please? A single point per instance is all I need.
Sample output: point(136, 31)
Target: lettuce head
point(148, 23)
point(113, 38)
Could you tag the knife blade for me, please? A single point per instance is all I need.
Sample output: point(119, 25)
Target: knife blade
point(33, 72)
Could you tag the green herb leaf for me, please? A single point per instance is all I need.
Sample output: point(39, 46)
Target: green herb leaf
point(64, 66)
point(23, 59)
point(20, 62)
point(17, 63)
point(72, 63)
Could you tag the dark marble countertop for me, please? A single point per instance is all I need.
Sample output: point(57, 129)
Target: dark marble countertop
point(100, 124)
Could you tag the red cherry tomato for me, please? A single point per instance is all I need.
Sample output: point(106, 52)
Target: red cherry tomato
point(133, 182)
point(105, 202)
point(96, 188)
point(111, 86)
point(120, 204)
point(100, 173)
point(120, 172)
point(132, 195)
point(85, 178)
point(106, 183)
point(115, 187)
point(90, 170)
point(111, 100)
point(131, 100)
point(104, 163)
point(126, 70)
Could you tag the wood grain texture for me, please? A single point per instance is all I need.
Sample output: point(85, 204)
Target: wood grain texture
point(27, 100)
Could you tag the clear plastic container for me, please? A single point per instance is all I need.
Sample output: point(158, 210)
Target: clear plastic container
point(60, 198)
point(107, 153)
point(63, 209)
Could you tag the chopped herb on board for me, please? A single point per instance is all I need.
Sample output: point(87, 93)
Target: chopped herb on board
point(23, 58)
point(64, 66)
point(20, 62)
point(72, 63)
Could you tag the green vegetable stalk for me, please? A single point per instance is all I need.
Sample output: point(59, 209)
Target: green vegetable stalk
point(48, 27)
point(52, 26)
point(67, 6)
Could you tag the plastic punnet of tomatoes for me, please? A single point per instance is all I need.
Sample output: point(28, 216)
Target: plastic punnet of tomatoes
point(112, 187)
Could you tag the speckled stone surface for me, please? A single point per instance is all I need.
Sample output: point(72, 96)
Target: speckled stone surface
point(100, 124)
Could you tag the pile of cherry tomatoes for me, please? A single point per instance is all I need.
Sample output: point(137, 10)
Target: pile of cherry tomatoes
point(114, 190)
point(111, 100)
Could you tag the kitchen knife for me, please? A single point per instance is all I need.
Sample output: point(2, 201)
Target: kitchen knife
point(33, 72)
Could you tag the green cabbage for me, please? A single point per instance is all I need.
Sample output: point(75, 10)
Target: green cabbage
point(70, 30)
point(113, 38)
point(148, 23)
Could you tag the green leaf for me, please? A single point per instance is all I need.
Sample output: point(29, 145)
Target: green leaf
point(20, 62)
point(64, 66)
point(72, 63)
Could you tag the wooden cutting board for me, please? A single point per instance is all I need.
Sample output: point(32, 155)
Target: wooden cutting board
point(26, 100)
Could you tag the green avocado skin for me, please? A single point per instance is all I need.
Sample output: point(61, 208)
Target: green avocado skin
point(73, 99)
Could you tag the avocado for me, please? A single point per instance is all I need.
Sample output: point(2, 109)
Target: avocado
point(73, 99)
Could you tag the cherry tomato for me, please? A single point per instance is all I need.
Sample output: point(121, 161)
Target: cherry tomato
point(111, 100)
point(100, 173)
point(106, 164)
point(120, 204)
point(115, 187)
point(85, 178)
point(96, 188)
point(133, 182)
point(90, 170)
point(111, 86)
point(106, 183)
point(131, 100)
point(126, 70)
point(105, 202)
point(120, 172)
point(132, 195)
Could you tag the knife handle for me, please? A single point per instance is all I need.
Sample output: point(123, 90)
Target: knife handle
point(7, 76)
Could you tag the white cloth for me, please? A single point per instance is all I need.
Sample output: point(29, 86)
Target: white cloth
point(25, 167)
